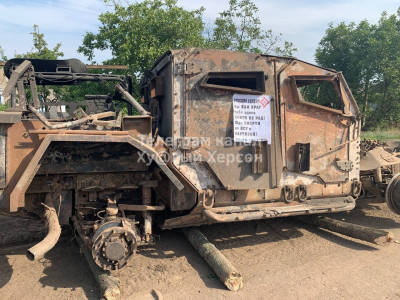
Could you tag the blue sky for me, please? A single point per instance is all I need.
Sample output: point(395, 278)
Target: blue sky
point(66, 21)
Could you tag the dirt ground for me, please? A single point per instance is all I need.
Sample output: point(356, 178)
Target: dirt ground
point(279, 258)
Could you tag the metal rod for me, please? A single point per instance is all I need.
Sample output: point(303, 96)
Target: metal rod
point(71, 123)
point(138, 207)
point(378, 175)
point(131, 100)
point(147, 216)
point(32, 83)
point(83, 132)
point(108, 67)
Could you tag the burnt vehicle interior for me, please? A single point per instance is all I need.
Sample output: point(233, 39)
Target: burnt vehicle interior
point(320, 92)
point(102, 182)
point(58, 73)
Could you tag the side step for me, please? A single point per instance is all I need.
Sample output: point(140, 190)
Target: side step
point(264, 210)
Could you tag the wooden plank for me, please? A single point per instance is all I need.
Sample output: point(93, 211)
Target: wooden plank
point(225, 271)
point(108, 284)
point(372, 235)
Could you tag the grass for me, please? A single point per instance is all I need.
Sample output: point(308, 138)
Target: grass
point(382, 135)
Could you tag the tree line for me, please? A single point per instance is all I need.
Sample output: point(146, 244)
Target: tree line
point(137, 33)
point(369, 57)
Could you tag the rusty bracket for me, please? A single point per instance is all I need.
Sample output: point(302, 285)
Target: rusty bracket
point(138, 207)
point(356, 188)
point(15, 76)
point(22, 96)
point(16, 81)
point(288, 193)
point(344, 165)
point(259, 164)
point(207, 198)
point(302, 192)
point(32, 83)
point(187, 143)
point(184, 68)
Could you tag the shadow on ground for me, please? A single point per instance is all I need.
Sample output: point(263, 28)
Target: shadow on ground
point(361, 215)
point(66, 268)
point(247, 234)
point(173, 245)
point(224, 236)
point(6, 271)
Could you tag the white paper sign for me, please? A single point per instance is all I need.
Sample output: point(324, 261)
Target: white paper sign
point(251, 118)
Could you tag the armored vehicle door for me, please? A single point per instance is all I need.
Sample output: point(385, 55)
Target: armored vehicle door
point(319, 123)
point(207, 84)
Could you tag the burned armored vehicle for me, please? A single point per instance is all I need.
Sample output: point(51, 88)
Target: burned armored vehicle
point(218, 136)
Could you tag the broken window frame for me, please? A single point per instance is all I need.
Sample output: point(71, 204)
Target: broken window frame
point(258, 75)
point(334, 79)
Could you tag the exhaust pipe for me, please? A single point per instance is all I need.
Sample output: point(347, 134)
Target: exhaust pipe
point(54, 231)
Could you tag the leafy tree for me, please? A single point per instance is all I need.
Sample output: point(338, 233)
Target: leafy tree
point(137, 34)
point(239, 28)
point(369, 58)
point(348, 48)
point(387, 83)
point(322, 93)
point(2, 54)
point(40, 49)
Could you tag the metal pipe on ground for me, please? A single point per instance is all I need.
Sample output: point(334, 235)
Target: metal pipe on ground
point(372, 235)
point(108, 285)
point(217, 261)
point(54, 230)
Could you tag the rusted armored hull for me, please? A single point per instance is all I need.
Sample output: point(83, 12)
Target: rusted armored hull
point(281, 178)
point(221, 137)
